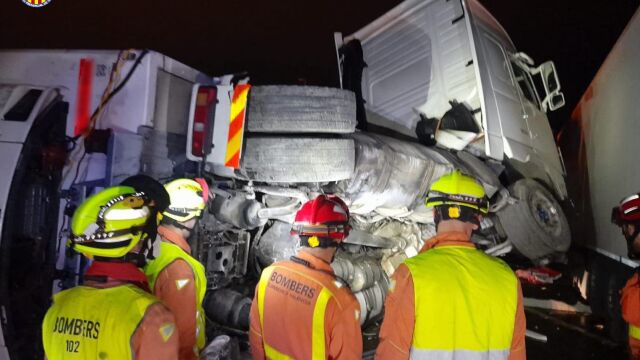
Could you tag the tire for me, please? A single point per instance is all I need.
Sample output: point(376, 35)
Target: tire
point(536, 224)
point(301, 109)
point(298, 160)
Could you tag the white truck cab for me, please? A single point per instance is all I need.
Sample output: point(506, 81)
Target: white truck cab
point(48, 98)
point(421, 55)
point(427, 63)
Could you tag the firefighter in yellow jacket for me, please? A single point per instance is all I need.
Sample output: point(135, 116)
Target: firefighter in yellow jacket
point(453, 301)
point(112, 315)
point(174, 275)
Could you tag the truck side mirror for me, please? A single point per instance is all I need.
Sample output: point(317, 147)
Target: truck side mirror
point(556, 101)
point(549, 77)
point(553, 98)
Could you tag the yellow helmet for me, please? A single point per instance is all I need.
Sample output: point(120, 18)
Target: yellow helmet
point(111, 222)
point(458, 190)
point(188, 199)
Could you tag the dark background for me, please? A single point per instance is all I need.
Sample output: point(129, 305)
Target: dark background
point(290, 41)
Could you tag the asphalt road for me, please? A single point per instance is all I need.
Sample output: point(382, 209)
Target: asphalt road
point(570, 336)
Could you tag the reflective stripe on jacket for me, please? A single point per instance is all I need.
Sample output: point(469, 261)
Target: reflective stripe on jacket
point(634, 332)
point(302, 312)
point(465, 304)
point(630, 303)
point(90, 323)
point(169, 253)
point(318, 343)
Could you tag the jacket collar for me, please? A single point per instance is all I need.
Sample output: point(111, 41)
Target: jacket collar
point(109, 274)
point(171, 236)
point(448, 239)
point(315, 262)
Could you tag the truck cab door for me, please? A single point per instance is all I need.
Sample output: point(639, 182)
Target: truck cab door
point(542, 139)
point(503, 107)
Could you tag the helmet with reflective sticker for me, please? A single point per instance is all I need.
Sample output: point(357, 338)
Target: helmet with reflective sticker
point(188, 199)
point(111, 222)
point(325, 217)
point(458, 190)
point(628, 211)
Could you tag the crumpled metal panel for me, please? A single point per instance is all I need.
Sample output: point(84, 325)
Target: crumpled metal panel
point(277, 244)
point(391, 174)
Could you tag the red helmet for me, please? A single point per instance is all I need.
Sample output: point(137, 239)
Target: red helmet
point(325, 218)
point(628, 211)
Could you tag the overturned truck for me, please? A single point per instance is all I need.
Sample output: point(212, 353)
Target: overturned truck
point(427, 88)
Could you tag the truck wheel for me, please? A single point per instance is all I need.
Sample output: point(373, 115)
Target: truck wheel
point(301, 109)
point(536, 224)
point(298, 160)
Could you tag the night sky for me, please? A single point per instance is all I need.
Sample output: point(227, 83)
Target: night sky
point(290, 41)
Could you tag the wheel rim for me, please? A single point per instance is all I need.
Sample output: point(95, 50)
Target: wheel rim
point(546, 213)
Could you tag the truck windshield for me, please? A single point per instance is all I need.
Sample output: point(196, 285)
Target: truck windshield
point(525, 83)
point(5, 94)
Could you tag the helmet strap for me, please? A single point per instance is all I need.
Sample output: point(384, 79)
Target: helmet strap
point(137, 259)
point(453, 212)
point(150, 233)
point(169, 221)
point(140, 259)
point(318, 242)
point(437, 216)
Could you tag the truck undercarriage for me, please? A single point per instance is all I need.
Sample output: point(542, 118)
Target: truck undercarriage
point(383, 178)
